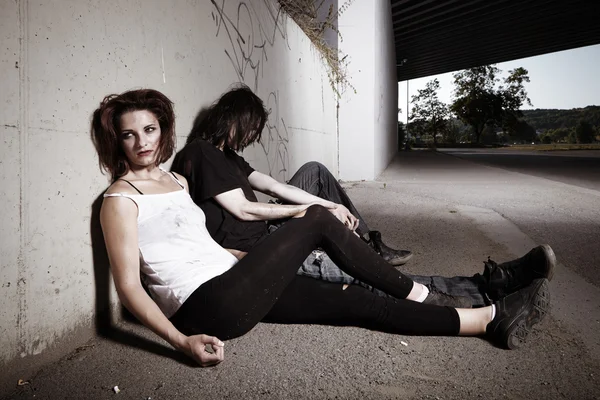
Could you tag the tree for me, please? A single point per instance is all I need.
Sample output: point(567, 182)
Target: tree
point(513, 97)
point(545, 119)
point(478, 103)
point(429, 110)
point(417, 130)
point(546, 138)
point(514, 94)
point(401, 135)
point(558, 135)
point(584, 132)
point(522, 131)
point(475, 98)
point(452, 132)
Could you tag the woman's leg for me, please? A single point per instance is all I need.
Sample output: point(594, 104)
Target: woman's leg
point(231, 304)
point(507, 322)
point(310, 301)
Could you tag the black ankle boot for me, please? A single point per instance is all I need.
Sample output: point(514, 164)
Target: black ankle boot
point(392, 256)
point(506, 278)
point(518, 312)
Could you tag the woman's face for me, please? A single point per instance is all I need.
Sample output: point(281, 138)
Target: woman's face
point(140, 137)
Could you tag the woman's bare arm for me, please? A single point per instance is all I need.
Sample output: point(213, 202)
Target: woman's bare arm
point(118, 217)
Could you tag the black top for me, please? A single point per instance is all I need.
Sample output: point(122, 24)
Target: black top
point(210, 172)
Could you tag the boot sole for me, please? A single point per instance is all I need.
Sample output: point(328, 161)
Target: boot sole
point(400, 260)
point(534, 312)
point(550, 260)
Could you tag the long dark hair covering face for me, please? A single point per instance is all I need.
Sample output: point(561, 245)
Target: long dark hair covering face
point(239, 111)
point(106, 123)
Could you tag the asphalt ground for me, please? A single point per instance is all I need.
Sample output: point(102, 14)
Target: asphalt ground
point(575, 167)
point(452, 213)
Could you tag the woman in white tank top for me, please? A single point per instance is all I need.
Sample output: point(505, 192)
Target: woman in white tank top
point(201, 293)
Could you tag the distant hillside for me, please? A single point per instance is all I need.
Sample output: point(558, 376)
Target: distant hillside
point(542, 119)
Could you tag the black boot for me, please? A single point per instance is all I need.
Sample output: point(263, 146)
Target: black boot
point(506, 278)
point(394, 257)
point(518, 312)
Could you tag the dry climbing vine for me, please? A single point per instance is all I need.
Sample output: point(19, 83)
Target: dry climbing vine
point(305, 14)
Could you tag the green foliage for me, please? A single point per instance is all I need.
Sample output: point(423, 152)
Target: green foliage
point(428, 111)
point(523, 132)
point(475, 98)
point(478, 103)
point(550, 119)
point(417, 129)
point(514, 94)
point(546, 139)
point(489, 135)
point(584, 132)
point(401, 135)
point(560, 125)
point(559, 135)
point(452, 132)
point(482, 105)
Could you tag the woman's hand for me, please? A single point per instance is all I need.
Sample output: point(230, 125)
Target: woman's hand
point(195, 347)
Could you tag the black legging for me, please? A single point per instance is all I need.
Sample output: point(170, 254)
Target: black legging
point(264, 285)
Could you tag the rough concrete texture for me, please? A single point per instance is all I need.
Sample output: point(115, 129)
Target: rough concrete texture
point(452, 214)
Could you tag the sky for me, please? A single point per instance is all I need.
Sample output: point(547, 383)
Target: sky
point(565, 79)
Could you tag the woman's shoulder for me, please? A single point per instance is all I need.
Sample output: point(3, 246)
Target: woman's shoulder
point(118, 204)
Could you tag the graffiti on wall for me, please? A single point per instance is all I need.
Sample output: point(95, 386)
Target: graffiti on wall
point(250, 37)
point(275, 144)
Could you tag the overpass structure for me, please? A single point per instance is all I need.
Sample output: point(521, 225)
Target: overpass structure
point(438, 36)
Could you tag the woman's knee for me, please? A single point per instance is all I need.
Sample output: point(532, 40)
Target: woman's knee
point(317, 212)
point(319, 216)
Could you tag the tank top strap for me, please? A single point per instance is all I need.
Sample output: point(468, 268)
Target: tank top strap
point(131, 184)
point(174, 178)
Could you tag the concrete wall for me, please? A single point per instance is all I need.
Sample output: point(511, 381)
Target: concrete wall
point(367, 120)
point(58, 59)
point(386, 89)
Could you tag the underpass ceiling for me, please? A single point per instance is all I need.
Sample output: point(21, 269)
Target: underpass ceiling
point(437, 36)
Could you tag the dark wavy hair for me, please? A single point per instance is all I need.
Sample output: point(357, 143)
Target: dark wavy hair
point(106, 127)
point(239, 111)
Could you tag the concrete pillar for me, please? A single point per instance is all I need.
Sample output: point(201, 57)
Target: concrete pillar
point(368, 118)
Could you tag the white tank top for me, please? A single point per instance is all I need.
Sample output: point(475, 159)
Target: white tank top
point(177, 254)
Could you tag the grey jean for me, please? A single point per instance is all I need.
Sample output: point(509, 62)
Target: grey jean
point(316, 179)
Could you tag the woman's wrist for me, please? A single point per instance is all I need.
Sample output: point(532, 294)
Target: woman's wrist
point(178, 341)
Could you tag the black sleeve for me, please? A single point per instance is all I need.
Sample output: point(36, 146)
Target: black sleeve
point(183, 166)
point(244, 166)
point(206, 169)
